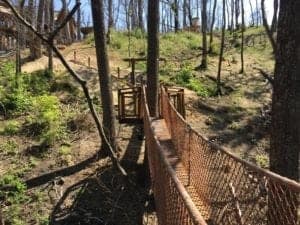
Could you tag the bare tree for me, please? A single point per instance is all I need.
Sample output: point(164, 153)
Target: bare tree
point(274, 20)
point(242, 41)
point(252, 14)
point(104, 74)
point(110, 20)
point(204, 32)
point(175, 8)
point(140, 14)
point(51, 29)
point(184, 13)
point(285, 132)
point(269, 31)
point(237, 14)
point(78, 22)
point(219, 91)
point(212, 26)
point(153, 55)
point(37, 42)
point(285, 125)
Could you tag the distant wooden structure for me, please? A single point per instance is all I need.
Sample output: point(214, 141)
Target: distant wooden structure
point(69, 33)
point(196, 27)
point(7, 29)
point(86, 31)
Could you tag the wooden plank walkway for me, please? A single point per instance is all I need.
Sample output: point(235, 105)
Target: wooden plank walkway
point(161, 131)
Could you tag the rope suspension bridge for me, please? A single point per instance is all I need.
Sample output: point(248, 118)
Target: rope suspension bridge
point(197, 182)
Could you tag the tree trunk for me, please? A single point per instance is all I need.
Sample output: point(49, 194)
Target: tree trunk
point(232, 16)
point(78, 22)
point(266, 25)
point(184, 13)
point(51, 28)
point(242, 41)
point(104, 74)
point(285, 126)
point(110, 20)
point(140, 14)
point(237, 14)
point(274, 20)
point(204, 30)
point(67, 34)
point(257, 13)
point(252, 14)
point(285, 132)
point(153, 55)
point(219, 91)
point(212, 26)
point(39, 27)
point(176, 15)
point(190, 13)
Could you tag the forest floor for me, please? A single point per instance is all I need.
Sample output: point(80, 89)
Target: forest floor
point(69, 182)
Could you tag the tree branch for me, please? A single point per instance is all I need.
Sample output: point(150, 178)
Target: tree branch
point(265, 75)
point(268, 30)
point(76, 76)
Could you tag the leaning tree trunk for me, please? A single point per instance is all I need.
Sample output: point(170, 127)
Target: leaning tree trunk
point(266, 25)
point(285, 125)
point(104, 74)
point(204, 31)
point(153, 55)
point(219, 91)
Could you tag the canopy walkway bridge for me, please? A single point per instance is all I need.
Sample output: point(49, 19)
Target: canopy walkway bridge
point(197, 182)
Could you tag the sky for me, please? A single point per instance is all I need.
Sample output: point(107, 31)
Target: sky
point(87, 9)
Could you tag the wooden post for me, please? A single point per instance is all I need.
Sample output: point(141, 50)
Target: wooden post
point(118, 72)
point(133, 72)
point(89, 62)
point(75, 56)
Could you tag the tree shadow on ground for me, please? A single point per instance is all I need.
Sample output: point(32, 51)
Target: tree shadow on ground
point(45, 178)
point(233, 126)
point(107, 197)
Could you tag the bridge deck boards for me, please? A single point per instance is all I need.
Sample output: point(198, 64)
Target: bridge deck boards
point(161, 131)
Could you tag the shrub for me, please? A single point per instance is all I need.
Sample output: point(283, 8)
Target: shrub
point(46, 116)
point(17, 101)
point(16, 191)
point(11, 127)
point(37, 83)
point(64, 150)
point(184, 76)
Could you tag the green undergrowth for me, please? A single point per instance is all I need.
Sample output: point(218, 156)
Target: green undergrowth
point(34, 112)
point(31, 105)
point(187, 78)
